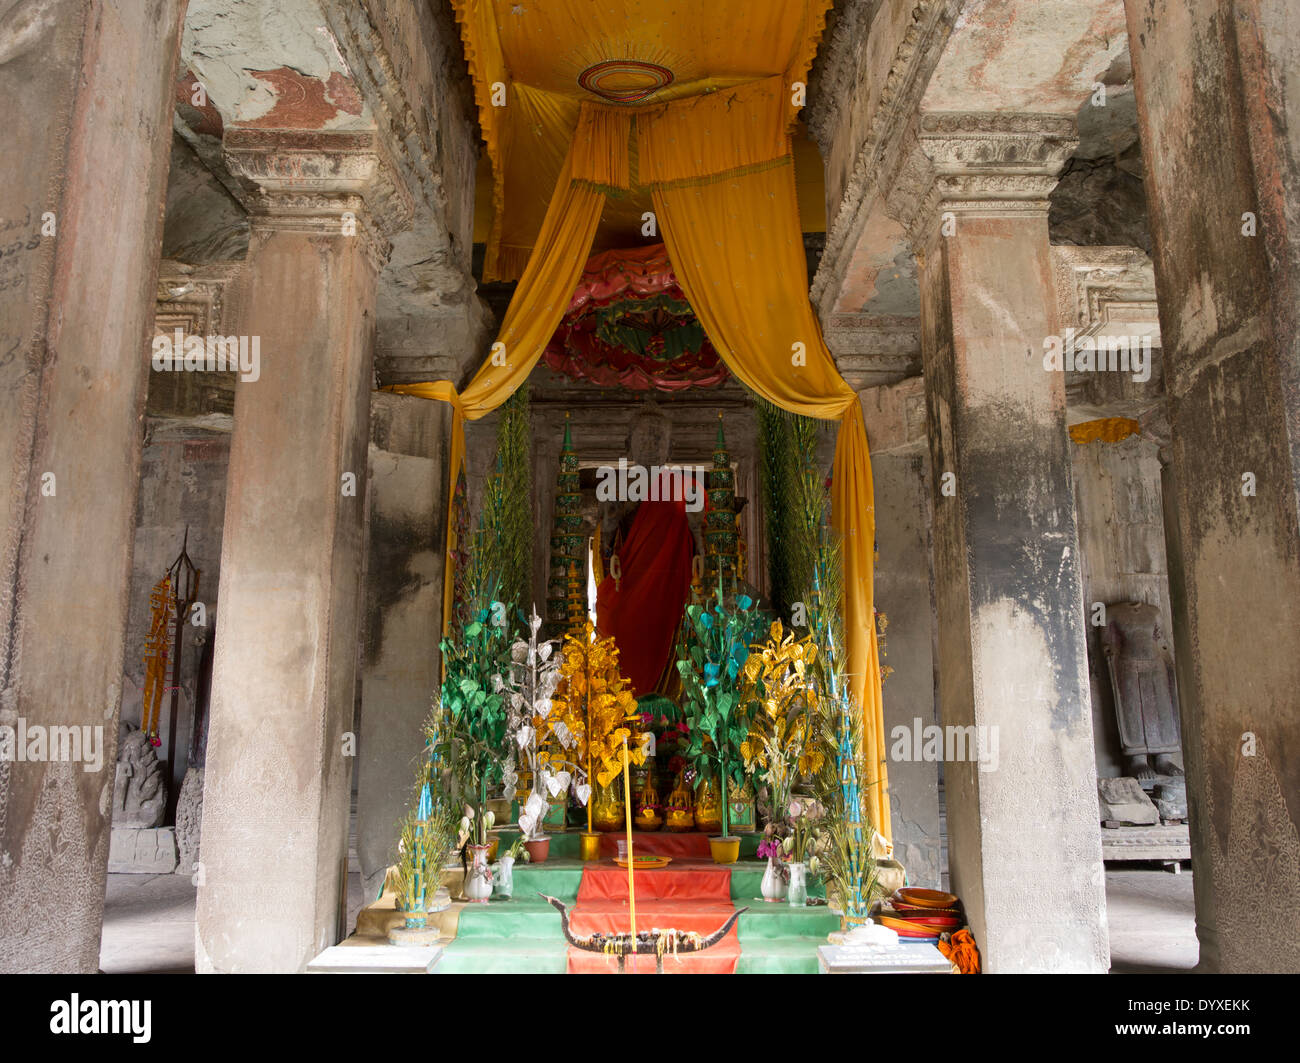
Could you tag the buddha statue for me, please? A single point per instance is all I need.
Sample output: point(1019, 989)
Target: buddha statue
point(1142, 684)
point(646, 548)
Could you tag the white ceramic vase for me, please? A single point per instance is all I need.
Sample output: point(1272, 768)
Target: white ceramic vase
point(773, 885)
point(478, 879)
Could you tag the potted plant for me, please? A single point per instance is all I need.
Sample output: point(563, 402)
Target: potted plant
point(716, 647)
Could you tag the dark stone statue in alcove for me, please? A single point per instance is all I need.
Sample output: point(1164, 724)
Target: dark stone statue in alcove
point(1142, 683)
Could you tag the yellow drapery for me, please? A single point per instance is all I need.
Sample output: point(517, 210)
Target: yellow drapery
point(526, 61)
point(737, 251)
point(720, 171)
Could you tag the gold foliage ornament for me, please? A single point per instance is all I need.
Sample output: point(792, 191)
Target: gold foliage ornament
point(784, 740)
point(593, 709)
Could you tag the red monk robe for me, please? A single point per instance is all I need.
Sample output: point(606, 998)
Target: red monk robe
point(643, 611)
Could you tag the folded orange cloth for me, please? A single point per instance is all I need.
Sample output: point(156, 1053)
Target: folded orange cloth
point(962, 951)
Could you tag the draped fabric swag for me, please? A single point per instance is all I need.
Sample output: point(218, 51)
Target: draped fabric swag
point(720, 172)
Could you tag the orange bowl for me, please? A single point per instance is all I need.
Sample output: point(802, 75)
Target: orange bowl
point(908, 930)
point(916, 909)
point(923, 898)
point(934, 920)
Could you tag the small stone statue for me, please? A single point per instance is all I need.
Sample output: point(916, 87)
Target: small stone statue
point(1142, 683)
point(139, 791)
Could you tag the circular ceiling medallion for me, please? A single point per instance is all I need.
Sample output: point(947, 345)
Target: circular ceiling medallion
point(625, 80)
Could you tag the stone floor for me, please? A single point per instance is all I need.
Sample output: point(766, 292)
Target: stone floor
point(149, 922)
point(1152, 920)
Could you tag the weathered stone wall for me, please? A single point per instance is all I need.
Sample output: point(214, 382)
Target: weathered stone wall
point(1120, 515)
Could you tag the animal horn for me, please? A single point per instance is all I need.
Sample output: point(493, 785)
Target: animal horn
point(718, 934)
point(564, 918)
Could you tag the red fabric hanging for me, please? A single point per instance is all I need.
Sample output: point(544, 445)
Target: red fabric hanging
point(643, 610)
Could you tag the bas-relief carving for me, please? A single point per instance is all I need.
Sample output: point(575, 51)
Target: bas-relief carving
point(139, 789)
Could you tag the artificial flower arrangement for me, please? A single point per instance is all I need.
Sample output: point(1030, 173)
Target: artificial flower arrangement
point(845, 840)
point(714, 648)
point(782, 744)
point(592, 711)
point(428, 833)
point(532, 679)
point(476, 712)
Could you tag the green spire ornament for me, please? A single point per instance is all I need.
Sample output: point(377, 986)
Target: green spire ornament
point(721, 535)
point(566, 536)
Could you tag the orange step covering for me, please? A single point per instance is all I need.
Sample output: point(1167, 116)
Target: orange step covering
point(689, 898)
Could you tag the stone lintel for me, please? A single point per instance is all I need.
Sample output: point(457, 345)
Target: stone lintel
point(305, 181)
point(992, 162)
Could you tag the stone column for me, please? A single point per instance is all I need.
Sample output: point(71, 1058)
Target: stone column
point(400, 662)
point(1024, 850)
point(281, 738)
point(1217, 91)
point(87, 86)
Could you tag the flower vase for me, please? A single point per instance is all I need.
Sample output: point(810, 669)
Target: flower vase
point(504, 885)
point(416, 919)
point(798, 890)
point(539, 848)
point(478, 880)
point(773, 886)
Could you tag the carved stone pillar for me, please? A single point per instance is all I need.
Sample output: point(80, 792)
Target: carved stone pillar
point(280, 747)
point(87, 90)
point(1024, 850)
point(1220, 124)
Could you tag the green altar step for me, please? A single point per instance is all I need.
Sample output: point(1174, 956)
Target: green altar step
point(523, 935)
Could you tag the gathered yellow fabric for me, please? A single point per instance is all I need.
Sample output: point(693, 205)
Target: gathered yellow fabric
point(726, 130)
point(737, 251)
point(532, 64)
point(714, 150)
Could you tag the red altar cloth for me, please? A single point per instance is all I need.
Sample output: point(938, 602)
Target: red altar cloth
point(643, 609)
point(678, 846)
